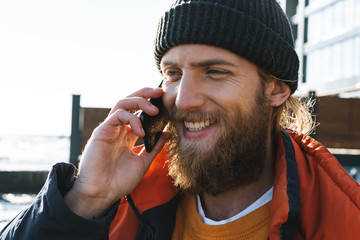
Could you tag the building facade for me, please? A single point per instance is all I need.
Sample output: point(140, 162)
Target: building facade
point(327, 38)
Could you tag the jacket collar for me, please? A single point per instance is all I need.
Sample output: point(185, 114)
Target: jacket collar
point(285, 208)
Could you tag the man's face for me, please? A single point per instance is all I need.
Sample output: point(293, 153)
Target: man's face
point(219, 120)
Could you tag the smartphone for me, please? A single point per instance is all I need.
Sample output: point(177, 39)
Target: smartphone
point(154, 125)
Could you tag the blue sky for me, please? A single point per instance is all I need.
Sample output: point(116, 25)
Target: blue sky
point(50, 50)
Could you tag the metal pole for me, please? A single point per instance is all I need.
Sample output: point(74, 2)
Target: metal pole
point(75, 139)
point(300, 15)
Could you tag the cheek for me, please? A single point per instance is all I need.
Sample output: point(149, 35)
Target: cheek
point(233, 104)
point(169, 97)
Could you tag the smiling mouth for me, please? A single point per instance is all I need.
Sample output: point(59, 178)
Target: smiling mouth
point(197, 126)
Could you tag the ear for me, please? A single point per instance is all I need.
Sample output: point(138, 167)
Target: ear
point(276, 92)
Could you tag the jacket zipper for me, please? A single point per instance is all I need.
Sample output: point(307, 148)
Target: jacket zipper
point(133, 208)
point(137, 214)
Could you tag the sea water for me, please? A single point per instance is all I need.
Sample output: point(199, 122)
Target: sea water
point(32, 153)
point(28, 153)
point(11, 205)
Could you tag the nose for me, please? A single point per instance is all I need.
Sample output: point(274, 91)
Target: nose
point(189, 95)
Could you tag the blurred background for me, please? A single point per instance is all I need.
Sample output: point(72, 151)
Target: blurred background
point(63, 60)
point(51, 50)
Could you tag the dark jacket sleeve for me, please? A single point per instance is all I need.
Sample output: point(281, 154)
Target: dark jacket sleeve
point(49, 217)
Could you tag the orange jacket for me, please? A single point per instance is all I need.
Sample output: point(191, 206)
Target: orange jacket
point(313, 198)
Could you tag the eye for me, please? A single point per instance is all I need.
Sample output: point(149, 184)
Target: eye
point(215, 73)
point(171, 74)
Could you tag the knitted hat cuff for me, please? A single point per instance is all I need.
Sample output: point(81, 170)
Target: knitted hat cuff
point(268, 45)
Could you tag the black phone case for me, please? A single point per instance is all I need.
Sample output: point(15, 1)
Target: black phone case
point(153, 125)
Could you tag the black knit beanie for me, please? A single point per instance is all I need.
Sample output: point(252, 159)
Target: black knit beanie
point(257, 30)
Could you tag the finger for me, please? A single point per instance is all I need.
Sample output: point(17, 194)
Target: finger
point(148, 93)
point(156, 149)
point(161, 142)
point(122, 117)
point(135, 103)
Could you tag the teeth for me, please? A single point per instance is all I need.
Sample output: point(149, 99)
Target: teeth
point(197, 126)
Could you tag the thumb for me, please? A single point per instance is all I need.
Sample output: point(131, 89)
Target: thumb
point(149, 156)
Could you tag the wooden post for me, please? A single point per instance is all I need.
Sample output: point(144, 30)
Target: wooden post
point(75, 139)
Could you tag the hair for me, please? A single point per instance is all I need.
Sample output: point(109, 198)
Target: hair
point(295, 113)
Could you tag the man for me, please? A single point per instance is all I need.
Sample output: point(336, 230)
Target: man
point(225, 168)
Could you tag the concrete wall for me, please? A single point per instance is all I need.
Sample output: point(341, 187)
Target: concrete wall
point(22, 181)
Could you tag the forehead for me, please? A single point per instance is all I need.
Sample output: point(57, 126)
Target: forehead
point(193, 53)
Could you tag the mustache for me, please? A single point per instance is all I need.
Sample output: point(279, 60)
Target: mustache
point(178, 115)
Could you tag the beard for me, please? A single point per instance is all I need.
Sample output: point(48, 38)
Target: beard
point(234, 159)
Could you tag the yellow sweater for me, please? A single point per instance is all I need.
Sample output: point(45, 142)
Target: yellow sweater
point(189, 224)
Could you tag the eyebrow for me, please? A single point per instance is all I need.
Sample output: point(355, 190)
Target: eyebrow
point(205, 63)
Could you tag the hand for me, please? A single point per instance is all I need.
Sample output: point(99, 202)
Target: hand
point(109, 169)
